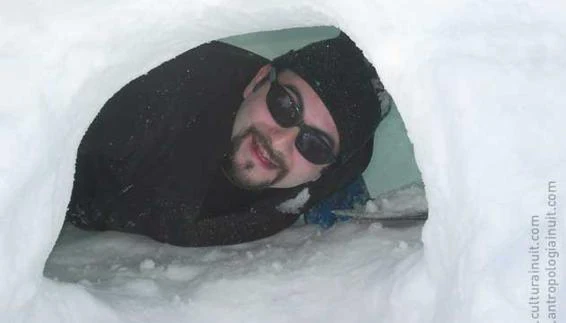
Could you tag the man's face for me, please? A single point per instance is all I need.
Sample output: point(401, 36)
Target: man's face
point(264, 153)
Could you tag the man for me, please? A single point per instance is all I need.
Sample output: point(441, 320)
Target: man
point(178, 156)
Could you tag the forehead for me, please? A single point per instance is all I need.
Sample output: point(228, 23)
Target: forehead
point(315, 112)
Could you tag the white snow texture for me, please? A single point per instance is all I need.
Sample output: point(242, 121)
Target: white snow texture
point(293, 205)
point(479, 84)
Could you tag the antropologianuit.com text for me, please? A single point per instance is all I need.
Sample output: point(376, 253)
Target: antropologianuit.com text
point(544, 259)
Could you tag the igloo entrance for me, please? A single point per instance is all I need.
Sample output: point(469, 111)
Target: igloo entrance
point(122, 270)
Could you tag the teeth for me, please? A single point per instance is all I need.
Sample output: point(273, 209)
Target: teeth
point(263, 153)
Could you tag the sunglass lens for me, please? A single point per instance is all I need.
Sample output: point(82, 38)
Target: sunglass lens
point(282, 107)
point(314, 147)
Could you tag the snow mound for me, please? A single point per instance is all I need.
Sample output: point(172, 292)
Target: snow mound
point(344, 274)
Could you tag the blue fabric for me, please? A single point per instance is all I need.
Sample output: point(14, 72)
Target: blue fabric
point(346, 198)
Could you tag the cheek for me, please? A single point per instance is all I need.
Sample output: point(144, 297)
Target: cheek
point(304, 169)
point(252, 112)
point(260, 114)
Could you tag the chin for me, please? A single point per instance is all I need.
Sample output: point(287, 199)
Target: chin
point(246, 179)
point(284, 184)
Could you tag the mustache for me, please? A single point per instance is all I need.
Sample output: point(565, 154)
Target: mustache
point(264, 141)
point(233, 171)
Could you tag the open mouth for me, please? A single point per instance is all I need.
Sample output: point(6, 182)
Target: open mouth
point(261, 154)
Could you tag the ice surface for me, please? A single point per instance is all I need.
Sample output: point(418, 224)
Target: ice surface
point(480, 86)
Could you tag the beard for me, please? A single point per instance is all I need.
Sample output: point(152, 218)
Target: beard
point(239, 173)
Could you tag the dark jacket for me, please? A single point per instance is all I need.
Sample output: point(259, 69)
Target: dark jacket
point(150, 161)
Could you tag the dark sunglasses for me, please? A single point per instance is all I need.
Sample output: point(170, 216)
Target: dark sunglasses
point(315, 145)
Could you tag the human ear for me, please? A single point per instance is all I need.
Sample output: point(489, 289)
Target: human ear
point(258, 78)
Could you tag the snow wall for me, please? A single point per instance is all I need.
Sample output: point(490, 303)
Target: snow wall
point(478, 84)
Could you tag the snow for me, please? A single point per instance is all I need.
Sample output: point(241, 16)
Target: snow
point(480, 86)
point(303, 274)
point(294, 204)
point(408, 200)
point(404, 206)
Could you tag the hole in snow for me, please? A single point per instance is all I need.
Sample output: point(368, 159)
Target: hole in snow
point(301, 263)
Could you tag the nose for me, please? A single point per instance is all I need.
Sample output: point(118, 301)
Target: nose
point(283, 139)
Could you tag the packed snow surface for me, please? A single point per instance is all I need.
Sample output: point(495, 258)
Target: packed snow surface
point(479, 84)
point(345, 274)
